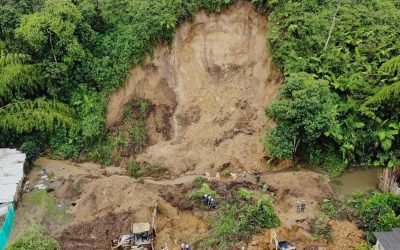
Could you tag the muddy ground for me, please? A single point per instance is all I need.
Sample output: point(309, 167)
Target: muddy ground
point(101, 207)
point(213, 85)
point(208, 93)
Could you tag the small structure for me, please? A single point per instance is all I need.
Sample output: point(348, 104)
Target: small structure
point(387, 240)
point(11, 178)
point(11, 174)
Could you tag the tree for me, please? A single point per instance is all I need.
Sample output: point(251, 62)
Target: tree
point(52, 31)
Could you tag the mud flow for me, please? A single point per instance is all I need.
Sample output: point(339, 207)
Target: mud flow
point(209, 90)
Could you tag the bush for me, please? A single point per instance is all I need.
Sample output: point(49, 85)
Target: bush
point(337, 210)
point(133, 168)
point(244, 194)
point(377, 212)
point(33, 238)
point(321, 228)
point(198, 181)
point(32, 150)
point(238, 221)
point(197, 194)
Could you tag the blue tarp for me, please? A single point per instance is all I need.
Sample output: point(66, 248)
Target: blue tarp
point(7, 226)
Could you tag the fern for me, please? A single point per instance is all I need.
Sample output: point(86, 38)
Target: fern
point(387, 92)
point(39, 114)
point(391, 67)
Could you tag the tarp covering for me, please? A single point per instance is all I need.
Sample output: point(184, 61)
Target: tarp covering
point(11, 173)
point(5, 229)
point(140, 227)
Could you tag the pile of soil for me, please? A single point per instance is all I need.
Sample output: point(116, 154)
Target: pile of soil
point(118, 201)
point(298, 186)
point(210, 90)
point(97, 234)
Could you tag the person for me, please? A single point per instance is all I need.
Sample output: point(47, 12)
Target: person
point(234, 176)
point(213, 205)
point(298, 206)
point(205, 199)
point(303, 205)
point(258, 177)
point(183, 246)
point(187, 247)
point(208, 176)
point(209, 201)
point(217, 176)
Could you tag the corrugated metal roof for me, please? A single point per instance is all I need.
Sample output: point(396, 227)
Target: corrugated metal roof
point(389, 240)
point(11, 173)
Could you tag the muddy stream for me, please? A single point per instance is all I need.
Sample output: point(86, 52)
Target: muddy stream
point(360, 180)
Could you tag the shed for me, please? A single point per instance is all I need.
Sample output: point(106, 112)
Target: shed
point(11, 174)
point(388, 240)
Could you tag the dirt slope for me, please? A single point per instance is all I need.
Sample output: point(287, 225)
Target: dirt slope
point(210, 88)
point(108, 206)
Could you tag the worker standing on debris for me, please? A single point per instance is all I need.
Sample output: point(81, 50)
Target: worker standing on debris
point(217, 176)
point(298, 206)
point(258, 177)
point(213, 204)
point(303, 205)
point(209, 201)
point(205, 199)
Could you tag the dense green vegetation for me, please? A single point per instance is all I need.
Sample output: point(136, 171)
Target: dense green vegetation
point(340, 103)
point(61, 58)
point(33, 238)
point(339, 106)
point(378, 212)
point(240, 213)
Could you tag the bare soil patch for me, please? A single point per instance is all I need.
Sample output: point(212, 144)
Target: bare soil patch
point(208, 91)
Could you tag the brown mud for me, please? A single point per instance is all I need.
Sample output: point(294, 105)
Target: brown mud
point(213, 85)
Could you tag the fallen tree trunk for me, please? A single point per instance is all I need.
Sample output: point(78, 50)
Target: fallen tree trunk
point(389, 180)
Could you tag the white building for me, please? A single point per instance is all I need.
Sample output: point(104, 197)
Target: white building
point(11, 176)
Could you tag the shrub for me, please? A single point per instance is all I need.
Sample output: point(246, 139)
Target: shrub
point(377, 212)
point(33, 238)
point(133, 168)
point(198, 181)
point(198, 193)
point(244, 194)
point(321, 228)
point(238, 221)
point(32, 150)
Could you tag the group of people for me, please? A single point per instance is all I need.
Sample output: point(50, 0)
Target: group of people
point(301, 206)
point(185, 246)
point(209, 201)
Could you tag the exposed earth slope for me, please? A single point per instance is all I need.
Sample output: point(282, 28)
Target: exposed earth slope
point(210, 89)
